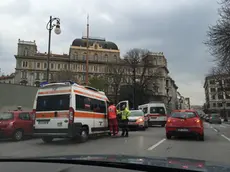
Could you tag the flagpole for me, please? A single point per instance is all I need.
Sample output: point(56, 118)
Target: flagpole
point(87, 53)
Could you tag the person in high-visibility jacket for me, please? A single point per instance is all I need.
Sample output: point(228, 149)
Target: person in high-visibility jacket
point(113, 119)
point(124, 121)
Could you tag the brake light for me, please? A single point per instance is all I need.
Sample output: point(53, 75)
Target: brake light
point(33, 114)
point(169, 120)
point(71, 115)
point(197, 120)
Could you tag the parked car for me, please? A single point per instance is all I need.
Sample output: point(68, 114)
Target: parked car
point(215, 118)
point(207, 118)
point(16, 124)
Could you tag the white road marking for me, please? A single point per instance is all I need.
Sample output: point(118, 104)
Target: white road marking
point(225, 137)
point(215, 130)
point(157, 144)
point(222, 126)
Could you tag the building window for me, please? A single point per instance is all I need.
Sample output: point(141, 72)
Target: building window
point(38, 65)
point(37, 76)
point(26, 52)
point(212, 82)
point(227, 96)
point(45, 65)
point(213, 90)
point(84, 57)
point(24, 64)
point(214, 105)
point(59, 66)
point(213, 97)
point(84, 67)
point(52, 65)
point(95, 57)
point(51, 76)
point(115, 58)
point(65, 66)
point(220, 96)
point(24, 74)
point(44, 76)
point(95, 68)
point(219, 104)
point(106, 58)
point(228, 104)
point(75, 56)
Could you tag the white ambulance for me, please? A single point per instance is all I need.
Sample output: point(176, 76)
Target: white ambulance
point(69, 110)
point(155, 112)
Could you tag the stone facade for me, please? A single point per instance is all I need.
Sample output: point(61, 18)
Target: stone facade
point(31, 66)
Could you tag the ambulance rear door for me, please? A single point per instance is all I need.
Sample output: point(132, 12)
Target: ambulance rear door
point(52, 108)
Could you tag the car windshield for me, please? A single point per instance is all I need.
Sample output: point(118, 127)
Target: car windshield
point(214, 115)
point(6, 116)
point(136, 113)
point(160, 110)
point(183, 115)
point(80, 68)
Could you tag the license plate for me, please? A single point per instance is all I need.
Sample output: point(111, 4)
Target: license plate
point(183, 130)
point(131, 123)
point(153, 117)
point(43, 122)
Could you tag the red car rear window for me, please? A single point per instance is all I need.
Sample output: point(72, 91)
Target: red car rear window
point(183, 115)
point(6, 116)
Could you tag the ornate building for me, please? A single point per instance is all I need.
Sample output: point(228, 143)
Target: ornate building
point(31, 66)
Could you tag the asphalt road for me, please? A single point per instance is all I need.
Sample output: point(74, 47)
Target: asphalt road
point(151, 142)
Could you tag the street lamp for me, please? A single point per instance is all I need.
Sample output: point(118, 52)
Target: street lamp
point(57, 30)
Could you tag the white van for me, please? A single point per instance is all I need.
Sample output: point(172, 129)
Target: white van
point(156, 113)
point(69, 110)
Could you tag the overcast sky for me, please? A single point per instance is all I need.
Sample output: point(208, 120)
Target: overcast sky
point(175, 27)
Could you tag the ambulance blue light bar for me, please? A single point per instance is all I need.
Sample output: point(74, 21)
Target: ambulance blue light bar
point(46, 83)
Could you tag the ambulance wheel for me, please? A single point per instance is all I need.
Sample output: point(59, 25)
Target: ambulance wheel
point(84, 134)
point(47, 139)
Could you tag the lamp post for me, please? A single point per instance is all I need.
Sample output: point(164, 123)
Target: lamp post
point(57, 30)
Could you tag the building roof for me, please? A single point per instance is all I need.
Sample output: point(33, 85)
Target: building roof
point(11, 76)
point(81, 42)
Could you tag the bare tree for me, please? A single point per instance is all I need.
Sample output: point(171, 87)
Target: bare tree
point(218, 35)
point(65, 75)
point(98, 82)
point(139, 59)
point(115, 76)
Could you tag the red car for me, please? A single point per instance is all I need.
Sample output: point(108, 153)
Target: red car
point(184, 123)
point(16, 124)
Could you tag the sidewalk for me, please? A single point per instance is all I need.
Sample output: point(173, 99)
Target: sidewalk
point(225, 122)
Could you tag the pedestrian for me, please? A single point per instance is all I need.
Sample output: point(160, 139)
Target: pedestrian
point(113, 119)
point(124, 121)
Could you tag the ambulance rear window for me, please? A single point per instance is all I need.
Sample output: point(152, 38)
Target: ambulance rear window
point(53, 102)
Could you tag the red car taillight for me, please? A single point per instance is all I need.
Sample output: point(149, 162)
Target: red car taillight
point(71, 115)
point(33, 114)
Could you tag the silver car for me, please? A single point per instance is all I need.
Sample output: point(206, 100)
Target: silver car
point(138, 120)
point(214, 118)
